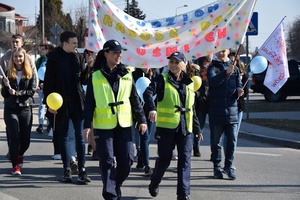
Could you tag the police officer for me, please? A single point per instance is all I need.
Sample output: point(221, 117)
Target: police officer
point(111, 103)
point(175, 120)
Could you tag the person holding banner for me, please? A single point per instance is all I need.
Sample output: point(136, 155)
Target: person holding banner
point(176, 120)
point(241, 100)
point(18, 88)
point(111, 103)
point(225, 87)
point(65, 75)
point(16, 41)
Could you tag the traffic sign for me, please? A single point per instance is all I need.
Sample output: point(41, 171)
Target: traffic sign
point(253, 25)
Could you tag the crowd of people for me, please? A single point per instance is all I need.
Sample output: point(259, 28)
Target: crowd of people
point(102, 107)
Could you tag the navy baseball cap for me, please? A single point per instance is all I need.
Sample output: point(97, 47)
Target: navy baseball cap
point(112, 45)
point(179, 56)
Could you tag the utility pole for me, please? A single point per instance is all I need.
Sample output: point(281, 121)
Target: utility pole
point(42, 21)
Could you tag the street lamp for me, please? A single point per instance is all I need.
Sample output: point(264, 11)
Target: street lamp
point(180, 7)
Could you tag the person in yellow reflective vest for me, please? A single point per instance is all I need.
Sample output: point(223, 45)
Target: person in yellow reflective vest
point(111, 103)
point(175, 121)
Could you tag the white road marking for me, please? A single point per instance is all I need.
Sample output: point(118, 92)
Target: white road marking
point(261, 154)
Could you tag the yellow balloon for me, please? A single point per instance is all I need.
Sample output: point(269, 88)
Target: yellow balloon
point(197, 82)
point(54, 101)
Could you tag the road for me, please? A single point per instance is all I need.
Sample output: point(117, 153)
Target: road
point(263, 172)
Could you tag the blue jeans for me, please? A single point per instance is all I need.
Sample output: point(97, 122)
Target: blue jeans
point(71, 139)
point(240, 117)
point(42, 108)
point(202, 118)
point(229, 131)
point(144, 143)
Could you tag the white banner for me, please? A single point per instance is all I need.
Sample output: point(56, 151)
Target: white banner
point(205, 30)
point(274, 50)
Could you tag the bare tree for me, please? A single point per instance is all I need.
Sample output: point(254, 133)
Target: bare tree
point(293, 39)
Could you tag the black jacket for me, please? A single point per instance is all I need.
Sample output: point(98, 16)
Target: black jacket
point(54, 80)
point(24, 92)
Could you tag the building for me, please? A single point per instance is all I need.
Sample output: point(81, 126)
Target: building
point(10, 21)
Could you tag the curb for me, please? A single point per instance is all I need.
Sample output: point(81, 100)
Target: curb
point(270, 140)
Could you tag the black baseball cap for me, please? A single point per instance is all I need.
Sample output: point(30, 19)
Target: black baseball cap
point(179, 56)
point(113, 45)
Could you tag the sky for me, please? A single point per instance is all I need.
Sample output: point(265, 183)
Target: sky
point(270, 12)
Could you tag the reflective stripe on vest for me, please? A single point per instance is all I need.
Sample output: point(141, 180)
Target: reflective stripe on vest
point(167, 117)
point(106, 116)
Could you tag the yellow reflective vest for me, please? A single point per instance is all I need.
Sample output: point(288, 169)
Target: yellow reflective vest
point(167, 114)
point(108, 112)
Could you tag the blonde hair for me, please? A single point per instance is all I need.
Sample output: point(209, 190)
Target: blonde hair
point(26, 70)
point(192, 68)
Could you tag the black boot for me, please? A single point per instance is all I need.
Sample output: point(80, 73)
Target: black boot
point(196, 151)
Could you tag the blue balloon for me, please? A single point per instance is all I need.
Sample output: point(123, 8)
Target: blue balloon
point(258, 64)
point(41, 72)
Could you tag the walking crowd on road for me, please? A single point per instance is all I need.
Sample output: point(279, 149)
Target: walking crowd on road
point(103, 105)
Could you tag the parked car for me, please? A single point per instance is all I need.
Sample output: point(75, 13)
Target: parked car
point(290, 88)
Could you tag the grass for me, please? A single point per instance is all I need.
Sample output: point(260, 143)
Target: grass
point(282, 124)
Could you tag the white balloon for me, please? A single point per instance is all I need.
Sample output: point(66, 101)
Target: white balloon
point(258, 64)
point(141, 85)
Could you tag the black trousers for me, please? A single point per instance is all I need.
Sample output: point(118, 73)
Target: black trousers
point(18, 123)
point(109, 144)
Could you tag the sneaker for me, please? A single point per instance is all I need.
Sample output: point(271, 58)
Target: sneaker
point(148, 171)
point(218, 173)
point(16, 170)
point(48, 128)
point(174, 155)
point(67, 176)
point(56, 157)
point(94, 156)
point(39, 129)
point(153, 189)
point(230, 173)
point(74, 167)
point(183, 197)
point(82, 177)
point(20, 161)
point(140, 164)
point(196, 151)
point(50, 132)
point(89, 150)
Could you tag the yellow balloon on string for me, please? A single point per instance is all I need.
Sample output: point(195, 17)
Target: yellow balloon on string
point(54, 101)
point(197, 82)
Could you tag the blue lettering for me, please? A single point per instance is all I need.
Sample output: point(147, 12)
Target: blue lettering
point(185, 17)
point(199, 13)
point(141, 23)
point(156, 24)
point(170, 21)
point(213, 8)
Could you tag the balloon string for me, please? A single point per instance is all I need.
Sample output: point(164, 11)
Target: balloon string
point(54, 122)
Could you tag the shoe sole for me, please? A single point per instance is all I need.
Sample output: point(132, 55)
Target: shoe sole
point(66, 180)
point(16, 173)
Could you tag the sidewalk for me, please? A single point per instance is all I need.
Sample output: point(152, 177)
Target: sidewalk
point(269, 135)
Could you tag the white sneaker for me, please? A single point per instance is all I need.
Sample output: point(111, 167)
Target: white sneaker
point(56, 157)
point(174, 155)
point(50, 134)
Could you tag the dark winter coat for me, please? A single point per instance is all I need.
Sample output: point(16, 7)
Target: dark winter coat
point(223, 93)
point(54, 81)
